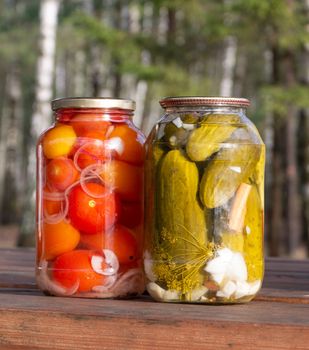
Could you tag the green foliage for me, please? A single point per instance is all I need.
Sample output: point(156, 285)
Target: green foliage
point(277, 99)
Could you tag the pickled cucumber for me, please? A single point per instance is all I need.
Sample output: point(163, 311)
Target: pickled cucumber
point(233, 241)
point(253, 236)
point(178, 187)
point(206, 140)
point(175, 136)
point(182, 232)
point(258, 176)
point(226, 171)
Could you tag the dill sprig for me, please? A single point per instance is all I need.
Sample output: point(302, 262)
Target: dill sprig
point(179, 258)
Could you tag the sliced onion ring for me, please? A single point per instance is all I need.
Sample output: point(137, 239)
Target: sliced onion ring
point(109, 130)
point(46, 284)
point(81, 149)
point(109, 282)
point(91, 173)
point(115, 144)
point(110, 259)
point(130, 282)
point(53, 196)
point(56, 218)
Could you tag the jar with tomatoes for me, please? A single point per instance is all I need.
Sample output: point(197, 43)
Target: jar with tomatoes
point(90, 200)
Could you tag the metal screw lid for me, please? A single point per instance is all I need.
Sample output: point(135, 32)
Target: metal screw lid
point(186, 101)
point(89, 102)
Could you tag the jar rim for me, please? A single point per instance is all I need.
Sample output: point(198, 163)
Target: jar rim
point(92, 102)
point(183, 101)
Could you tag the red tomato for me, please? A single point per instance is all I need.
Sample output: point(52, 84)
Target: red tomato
point(95, 135)
point(51, 207)
point(75, 267)
point(123, 243)
point(89, 214)
point(120, 240)
point(133, 141)
point(131, 214)
point(95, 241)
point(58, 239)
point(58, 141)
point(125, 179)
point(61, 173)
point(92, 152)
point(83, 124)
point(131, 265)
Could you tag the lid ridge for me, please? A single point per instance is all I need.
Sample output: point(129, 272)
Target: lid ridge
point(183, 101)
point(92, 102)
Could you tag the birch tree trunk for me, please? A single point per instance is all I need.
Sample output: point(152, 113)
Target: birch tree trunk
point(228, 67)
point(4, 123)
point(240, 75)
point(41, 118)
point(162, 25)
point(11, 169)
point(142, 85)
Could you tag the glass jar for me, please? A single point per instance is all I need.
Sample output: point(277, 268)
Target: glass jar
point(204, 210)
point(90, 167)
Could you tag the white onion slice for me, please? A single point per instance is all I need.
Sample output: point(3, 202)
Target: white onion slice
point(109, 282)
point(115, 144)
point(130, 282)
point(56, 218)
point(92, 174)
point(67, 191)
point(82, 149)
point(110, 129)
point(110, 259)
point(53, 196)
point(46, 284)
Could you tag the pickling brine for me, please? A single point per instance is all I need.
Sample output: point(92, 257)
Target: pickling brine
point(204, 210)
point(90, 200)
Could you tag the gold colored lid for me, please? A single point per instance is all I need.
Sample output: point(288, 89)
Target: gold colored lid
point(186, 101)
point(89, 102)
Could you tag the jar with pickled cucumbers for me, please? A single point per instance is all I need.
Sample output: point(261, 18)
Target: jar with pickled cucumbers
point(205, 207)
point(90, 166)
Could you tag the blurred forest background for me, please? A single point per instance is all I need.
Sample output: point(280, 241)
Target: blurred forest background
point(145, 50)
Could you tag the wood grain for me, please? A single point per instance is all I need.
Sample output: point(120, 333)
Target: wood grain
point(277, 319)
point(129, 324)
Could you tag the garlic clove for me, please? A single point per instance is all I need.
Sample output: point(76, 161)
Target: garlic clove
point(189, 126)
point(228, 289)
point(155, 290)
point(242, 289)
point(161, 294)
point(220, 294)
point(196, 294)
point(226, 254)
point(219, 264)
point(216, 266)
point(169, 295)
point(177, 122)
point(237, 269)
point(218, 277)
point(254, 287)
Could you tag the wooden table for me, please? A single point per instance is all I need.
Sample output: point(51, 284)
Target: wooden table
point(277, 319)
